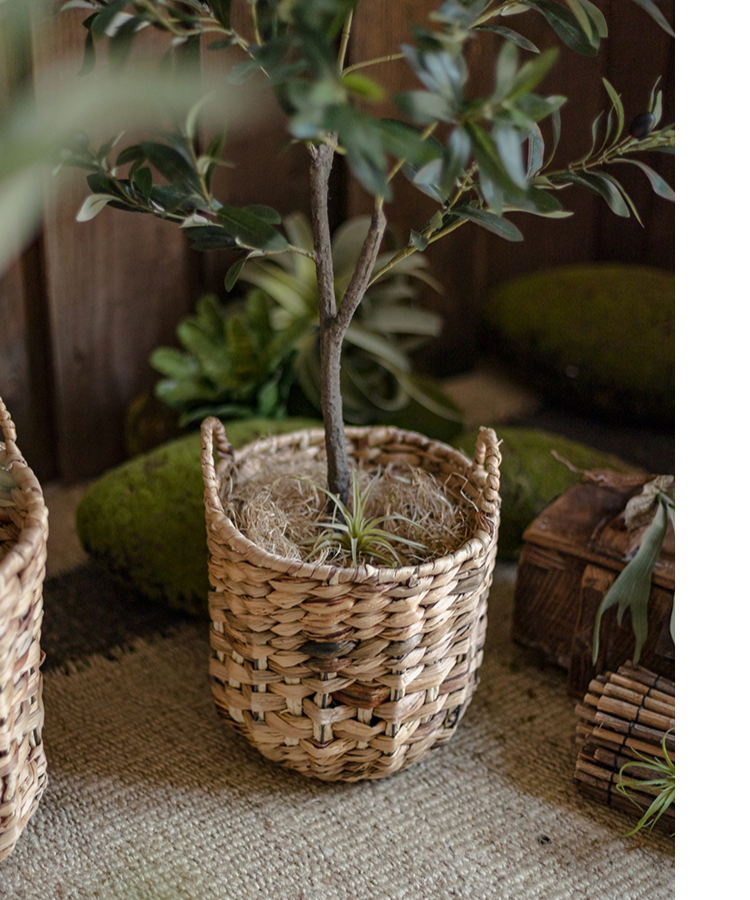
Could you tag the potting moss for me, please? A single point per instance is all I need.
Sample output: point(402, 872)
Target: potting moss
point(145, 522)
point(600, 336)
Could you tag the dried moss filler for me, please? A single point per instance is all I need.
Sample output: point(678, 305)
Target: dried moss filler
point(348, 673)
point(23, 555)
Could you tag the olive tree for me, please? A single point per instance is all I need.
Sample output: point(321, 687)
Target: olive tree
point(482, 159)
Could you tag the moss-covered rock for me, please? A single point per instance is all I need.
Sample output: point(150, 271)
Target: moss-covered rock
point(599, 337)
point(531, 477)
point(145, 522)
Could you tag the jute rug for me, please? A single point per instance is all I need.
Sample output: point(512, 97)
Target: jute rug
point(152, 797)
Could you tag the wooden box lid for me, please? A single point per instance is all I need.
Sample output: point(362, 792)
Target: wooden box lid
point(586, 523)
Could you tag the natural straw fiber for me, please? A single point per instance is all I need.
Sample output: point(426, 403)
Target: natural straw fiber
point(350, 673)
point(23, 541)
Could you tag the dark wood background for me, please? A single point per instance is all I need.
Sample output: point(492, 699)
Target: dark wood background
point(82, 307)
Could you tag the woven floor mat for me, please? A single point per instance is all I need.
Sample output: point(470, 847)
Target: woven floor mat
point(152, 797)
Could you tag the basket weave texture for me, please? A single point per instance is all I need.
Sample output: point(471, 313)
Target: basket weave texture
point(23, 555)
point(350, 673)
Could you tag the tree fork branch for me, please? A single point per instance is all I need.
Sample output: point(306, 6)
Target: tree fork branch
point(365, 264)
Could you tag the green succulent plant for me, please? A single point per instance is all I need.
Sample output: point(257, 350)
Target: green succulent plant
point(243, 360)
point(234, 364)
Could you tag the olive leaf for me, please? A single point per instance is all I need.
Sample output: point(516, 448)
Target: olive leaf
point(173, 165)
point(566, 26)
point(92, 206)
point(659, 185)
point(600, 184)
point(617, 108)
point(250, 226)
point(656, 14)
point(490, 221)
point(510, 35)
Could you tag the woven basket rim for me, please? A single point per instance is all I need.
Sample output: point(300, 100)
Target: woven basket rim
point(33, 533)
point(478, 544)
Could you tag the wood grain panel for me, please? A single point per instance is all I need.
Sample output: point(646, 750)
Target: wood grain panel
point(117, 287)
point(265, 169)
point(14, 364)
point(25, 376)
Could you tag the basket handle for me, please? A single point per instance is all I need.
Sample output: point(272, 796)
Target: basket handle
point(212, 432)
point(487, 458)
point(13, 454)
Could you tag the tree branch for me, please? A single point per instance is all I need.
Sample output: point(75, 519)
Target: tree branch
point(365, 264)
point(334, 321)
point(320, 173)
point(331, 336)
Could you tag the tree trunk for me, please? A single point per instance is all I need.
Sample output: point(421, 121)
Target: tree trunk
point(334, 321)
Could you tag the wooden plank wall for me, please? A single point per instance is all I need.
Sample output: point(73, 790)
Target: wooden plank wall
point(25, 382)
point(85, 305)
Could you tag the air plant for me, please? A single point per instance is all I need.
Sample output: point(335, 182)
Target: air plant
point(354, 534)
point(378, 383)
point(663, 785)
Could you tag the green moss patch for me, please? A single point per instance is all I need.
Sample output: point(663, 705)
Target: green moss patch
point(145, 520)
point(599, 337)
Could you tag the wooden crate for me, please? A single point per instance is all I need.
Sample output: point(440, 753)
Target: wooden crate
point(571, 556)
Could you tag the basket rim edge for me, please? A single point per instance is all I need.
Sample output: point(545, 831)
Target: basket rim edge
point(473, 547)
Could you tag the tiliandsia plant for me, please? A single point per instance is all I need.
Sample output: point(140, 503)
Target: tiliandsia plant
point(480, 158)
point(661, 784)
point(356, 535)
point(378, 383)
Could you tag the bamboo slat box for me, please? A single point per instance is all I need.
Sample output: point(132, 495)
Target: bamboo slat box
point(626, 718)
point(571, 556)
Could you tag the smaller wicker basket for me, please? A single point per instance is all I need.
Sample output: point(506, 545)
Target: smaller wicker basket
point(23, 555)
point(350, 673)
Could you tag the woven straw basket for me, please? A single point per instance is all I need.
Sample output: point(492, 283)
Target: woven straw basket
point(23, 554)
point(349, 673)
